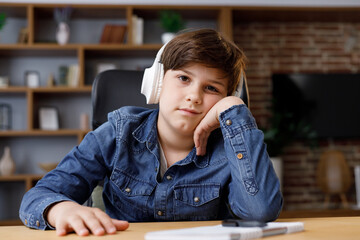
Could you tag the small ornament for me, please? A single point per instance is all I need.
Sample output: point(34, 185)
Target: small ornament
point(63, 33)
point(7, 164)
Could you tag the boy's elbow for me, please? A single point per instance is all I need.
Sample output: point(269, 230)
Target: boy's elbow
point(268, 212)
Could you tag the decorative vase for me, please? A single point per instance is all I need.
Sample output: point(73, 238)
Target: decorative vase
point(63, 33)
point(167, 36)
point(7, 164)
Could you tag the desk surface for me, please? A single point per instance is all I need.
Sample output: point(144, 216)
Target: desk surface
point(315, 228)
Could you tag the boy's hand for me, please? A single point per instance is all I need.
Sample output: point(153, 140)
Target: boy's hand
point(69, 216)
point(211, 121)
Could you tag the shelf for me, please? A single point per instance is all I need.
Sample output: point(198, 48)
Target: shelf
point(59, 89)
point(20, 177)
point(13, 89)
point(38, 133)
point(42, 54)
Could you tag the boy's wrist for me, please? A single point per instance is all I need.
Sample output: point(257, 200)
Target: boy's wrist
point(50, 213)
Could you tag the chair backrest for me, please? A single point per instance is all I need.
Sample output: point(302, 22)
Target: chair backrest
point(113, 89)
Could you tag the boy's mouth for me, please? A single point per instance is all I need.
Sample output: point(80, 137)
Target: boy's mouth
point(189, 111)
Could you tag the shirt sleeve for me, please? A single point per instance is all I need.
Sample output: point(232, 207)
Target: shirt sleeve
point(254, 189)
point(72, 180)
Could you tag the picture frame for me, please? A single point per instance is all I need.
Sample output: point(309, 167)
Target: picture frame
point(4, 81)
point(32, 79)
point(48, 118)
point(102, 67)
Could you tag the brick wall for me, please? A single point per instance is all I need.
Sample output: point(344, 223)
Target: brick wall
point(300, 47)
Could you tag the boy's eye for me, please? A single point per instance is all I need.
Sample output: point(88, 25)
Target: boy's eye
point(212, 89)
point(183, 78)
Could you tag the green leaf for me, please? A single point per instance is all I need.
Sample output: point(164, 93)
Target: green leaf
point(2, 20)
point(171, 21)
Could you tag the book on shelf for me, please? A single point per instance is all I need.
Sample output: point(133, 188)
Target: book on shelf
point(23, 35)
point(219, 232)
point(137, 30)
point(69, 75)
point(113, 33)
point(73, 75)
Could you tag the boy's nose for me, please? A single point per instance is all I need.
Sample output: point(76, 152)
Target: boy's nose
point(194, 95)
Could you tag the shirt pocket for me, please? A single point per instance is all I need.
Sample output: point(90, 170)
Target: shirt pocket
point(131, 194)
point(196, 201)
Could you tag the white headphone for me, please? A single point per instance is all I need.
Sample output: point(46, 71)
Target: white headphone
point(153, 77)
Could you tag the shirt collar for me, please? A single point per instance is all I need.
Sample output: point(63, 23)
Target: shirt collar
point(147, 132)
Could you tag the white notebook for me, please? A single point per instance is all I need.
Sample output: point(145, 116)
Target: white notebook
point(219, 232)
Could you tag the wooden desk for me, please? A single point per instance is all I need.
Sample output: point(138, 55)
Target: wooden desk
point(315, 228)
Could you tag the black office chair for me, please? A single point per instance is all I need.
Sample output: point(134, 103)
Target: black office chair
point(113, 89)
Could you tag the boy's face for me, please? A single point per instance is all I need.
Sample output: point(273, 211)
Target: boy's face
point(187, 95)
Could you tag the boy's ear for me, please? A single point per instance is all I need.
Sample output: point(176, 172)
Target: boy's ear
point(152, 79)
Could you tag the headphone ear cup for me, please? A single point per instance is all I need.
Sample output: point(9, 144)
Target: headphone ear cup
point(151, 84)
point(152, 80)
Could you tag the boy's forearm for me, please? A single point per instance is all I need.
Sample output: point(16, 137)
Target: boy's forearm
point(254, 192)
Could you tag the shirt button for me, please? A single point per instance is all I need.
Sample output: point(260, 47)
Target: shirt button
point(239, 156)
point(127, 190)
point(196, 199)
point(168, 177)
point(228, 122)
point(37, 223)
point(160, 213)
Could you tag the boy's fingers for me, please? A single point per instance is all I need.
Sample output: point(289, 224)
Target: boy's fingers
point(105, 221)
point(62, 228)
point(79, 227)
point(120, 225)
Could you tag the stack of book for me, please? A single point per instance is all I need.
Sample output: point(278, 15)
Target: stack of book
point(113, 33)
point(137, 30)
point(69, 75)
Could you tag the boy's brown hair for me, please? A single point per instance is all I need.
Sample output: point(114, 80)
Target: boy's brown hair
point(207, 47)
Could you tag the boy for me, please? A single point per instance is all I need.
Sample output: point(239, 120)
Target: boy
point(199, 156)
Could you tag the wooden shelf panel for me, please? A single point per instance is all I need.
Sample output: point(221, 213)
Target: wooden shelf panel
point(23, 50)
point(13, 89)
point(21, 177)
point(38, 133)
point(60, 89)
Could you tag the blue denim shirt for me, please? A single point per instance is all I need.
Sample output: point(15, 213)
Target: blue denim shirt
point(235, 177)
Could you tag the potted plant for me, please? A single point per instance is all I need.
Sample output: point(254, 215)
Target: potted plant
point(2, 20)
point(284, 127)
point(171, 22)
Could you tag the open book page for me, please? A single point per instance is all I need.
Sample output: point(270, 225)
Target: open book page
point(219, 232)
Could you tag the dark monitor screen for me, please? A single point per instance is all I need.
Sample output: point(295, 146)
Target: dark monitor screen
point(328, 102)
